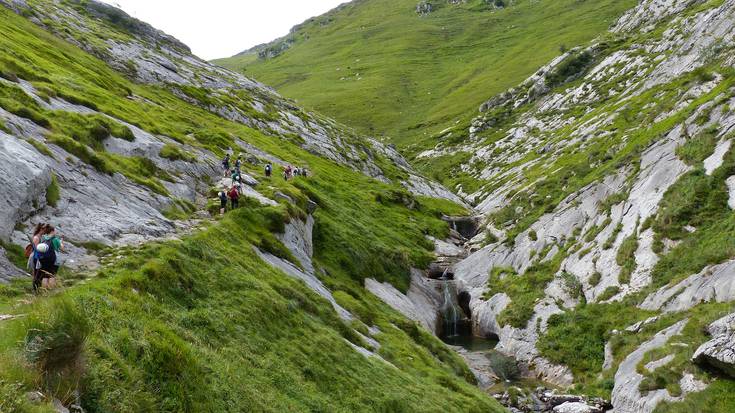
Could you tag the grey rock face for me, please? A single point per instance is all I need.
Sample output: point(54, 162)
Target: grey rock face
point(24, 176)
point(626, 397)
point(720, 351)
point(310, 279)
point(714, 283)
point(297, 238)
point(420, 303)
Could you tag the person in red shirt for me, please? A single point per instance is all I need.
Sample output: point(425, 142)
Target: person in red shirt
point(234, 196)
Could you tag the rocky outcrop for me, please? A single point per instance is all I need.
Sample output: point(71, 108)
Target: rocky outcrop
point(714, 283)
point(719, 352)
point(420, 303)
point(24, 176)
point(626, 396)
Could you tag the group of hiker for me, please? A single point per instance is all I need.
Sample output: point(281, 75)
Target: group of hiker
point(44, 256)
point(233, 193)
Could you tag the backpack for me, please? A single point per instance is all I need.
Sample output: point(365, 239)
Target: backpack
point(234, 194)
point(45, 252)
point(28, 250)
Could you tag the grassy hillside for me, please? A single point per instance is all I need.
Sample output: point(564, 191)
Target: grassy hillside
point(202, 324)
point(379, 66)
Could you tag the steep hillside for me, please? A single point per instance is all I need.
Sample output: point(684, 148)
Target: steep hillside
point(384, 68)
point(113, 131)
point(605, 183)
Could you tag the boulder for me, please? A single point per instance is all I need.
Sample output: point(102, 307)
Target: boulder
point(576, 407)
point(719, 353)
point(424, 8)
point(24, 176)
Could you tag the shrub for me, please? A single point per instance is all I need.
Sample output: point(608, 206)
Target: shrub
point(595, 278)
point(504, 367)
point(571, 68)
point(53, 192)
point(576, 338)
point(609, 293)
point(54, 344)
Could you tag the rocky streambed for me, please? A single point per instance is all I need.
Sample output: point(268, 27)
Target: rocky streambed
point(442, 304)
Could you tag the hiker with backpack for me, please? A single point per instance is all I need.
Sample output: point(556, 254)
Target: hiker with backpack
point(268, 170)
point(222, 195)
point(238, 163)
point(48, 259)
point(30, 250)
point(234, 196)
point(226, 164)
point(235, 176)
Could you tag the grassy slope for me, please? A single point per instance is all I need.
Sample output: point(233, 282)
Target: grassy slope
point(202, 324)
point(418, 74)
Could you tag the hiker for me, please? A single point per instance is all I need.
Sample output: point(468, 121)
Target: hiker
point(222, 195)
point(268, 170)
point(226, 164)
point(235, 176)
point(48, 259)
point(30, 251)
point(289, 172)
point(238, 163)
point(296, 172)
point(234, 196)
point(303, 172)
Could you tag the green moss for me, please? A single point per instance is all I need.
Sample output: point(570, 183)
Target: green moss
point(53, 192)
point(41, 147)
point(174, 153)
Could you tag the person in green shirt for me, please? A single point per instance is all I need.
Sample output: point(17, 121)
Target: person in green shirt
point(57, 243)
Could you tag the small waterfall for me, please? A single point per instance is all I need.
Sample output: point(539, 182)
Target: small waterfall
point(450, 312)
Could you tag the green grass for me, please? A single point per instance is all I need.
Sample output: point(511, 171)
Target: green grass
point(700, 147)
point(378, 66)
point(700, 201)
point(175, 153)
point(524, 290)
point(625, 257)
point(576, 338)
point(15, 254)
point(53, 192)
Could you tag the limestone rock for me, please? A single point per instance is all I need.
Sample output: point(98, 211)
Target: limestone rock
point(719, 352)
point(576, 407)
point(714, 283)
point(626, 396)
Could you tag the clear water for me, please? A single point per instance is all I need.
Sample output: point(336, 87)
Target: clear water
point(470, 342)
